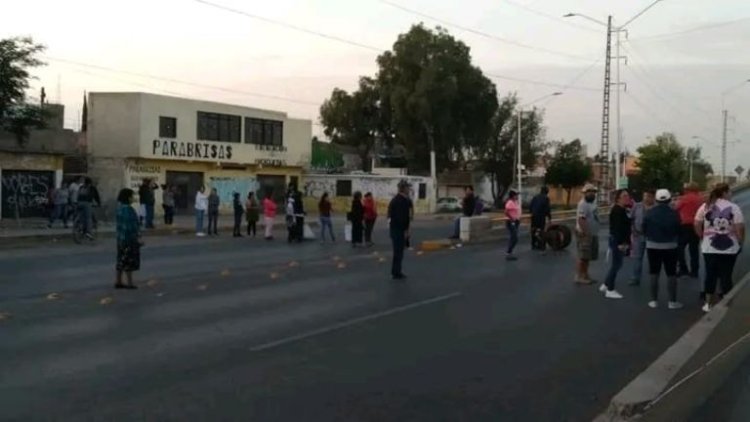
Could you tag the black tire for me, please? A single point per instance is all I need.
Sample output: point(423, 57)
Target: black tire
point(558, 237)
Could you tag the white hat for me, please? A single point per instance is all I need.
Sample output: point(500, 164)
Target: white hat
point(663, 195)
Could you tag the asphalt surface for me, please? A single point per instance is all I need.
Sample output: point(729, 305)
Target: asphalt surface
point(241, 329)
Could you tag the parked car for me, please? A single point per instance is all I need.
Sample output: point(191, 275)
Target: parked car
point(448, 204)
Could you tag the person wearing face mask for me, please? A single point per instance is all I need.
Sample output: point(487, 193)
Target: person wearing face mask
point(587, 234)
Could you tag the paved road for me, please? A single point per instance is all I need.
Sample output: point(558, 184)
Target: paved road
point(230, 330)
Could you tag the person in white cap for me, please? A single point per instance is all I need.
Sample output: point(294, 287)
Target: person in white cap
point(587, 230)
point(662, 229)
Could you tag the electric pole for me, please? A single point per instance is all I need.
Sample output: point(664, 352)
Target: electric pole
point(724, 145)
point(604, 151)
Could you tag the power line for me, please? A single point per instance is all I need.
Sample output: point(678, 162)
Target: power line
point(369, 47)
point(482, 33)
point(650, 112)
point(178, 81)
point(289, 26)
point(691, 30)
point(552, 17)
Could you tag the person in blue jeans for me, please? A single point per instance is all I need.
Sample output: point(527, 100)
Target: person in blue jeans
point(324, 211)
point(619, 241)
point(639, 237)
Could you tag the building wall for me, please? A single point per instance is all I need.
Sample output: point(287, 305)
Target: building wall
point(127, 125)
point(25, 181)
point(114, 125)
point(113, 174)
point(383, 188)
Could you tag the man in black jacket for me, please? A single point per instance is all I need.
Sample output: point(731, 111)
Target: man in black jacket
point(541, 213)
point(399, 216)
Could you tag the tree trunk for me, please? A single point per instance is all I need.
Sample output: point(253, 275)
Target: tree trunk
point(567, 201)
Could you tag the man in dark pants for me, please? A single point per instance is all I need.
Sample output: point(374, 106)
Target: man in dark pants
point(541, 213)
point(399, 216)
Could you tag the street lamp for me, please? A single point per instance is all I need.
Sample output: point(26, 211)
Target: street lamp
point(616, 30)
point(519, 162)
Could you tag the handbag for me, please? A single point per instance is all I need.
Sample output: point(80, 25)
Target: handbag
point(348, 232)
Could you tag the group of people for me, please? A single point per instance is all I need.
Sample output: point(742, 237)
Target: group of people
point(657, 226)
point(74, 200)
point(129, 243)
point(251, 209)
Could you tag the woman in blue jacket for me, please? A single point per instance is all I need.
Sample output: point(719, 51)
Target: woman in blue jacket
point(662, 229)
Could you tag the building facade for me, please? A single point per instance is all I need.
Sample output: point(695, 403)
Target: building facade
point(341, 188)
point(190, 144)
point(29, 170)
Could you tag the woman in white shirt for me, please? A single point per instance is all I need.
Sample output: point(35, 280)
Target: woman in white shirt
point(201, 205)
point(721, 226)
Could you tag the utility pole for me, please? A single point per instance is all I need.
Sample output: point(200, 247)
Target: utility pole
point(604, 151)
point(519, 162)
point(724, 145)
point(618, 147)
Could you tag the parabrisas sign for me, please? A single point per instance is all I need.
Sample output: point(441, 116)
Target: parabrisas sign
point(191, 150)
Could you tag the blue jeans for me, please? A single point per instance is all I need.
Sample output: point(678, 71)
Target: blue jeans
point(149, 216)
point(60, 211)
point(639, 250)
point(513, 231)
point(615, 263)
point(199, 214)
point(325, 223)
point(84, 215)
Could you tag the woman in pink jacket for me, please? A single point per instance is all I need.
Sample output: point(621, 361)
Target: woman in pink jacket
point(269, 214)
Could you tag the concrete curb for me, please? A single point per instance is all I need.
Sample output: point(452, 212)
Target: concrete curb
point(651, 383)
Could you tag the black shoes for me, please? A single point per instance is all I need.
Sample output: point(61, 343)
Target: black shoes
point(399, 277)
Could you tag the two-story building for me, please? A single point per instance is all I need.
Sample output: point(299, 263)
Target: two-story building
point(188, 143)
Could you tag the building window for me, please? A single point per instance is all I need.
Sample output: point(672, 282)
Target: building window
point(264, 132)
point(219, 127)
point(167, 127)
point(422, 190)
point(343, 188)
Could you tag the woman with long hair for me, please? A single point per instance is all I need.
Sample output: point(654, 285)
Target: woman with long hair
point(324, 211)
point(128, 240)
point(356, 216)
point(252, 213)
point(513, 215)
point(721, 226)
point(371, 215)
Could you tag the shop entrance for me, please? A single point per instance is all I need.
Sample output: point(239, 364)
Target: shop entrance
point(275, 184)
point(186, 185)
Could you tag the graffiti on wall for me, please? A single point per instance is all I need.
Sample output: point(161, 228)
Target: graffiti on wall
point(316, 188)
point(25, 192)
point(227, 186)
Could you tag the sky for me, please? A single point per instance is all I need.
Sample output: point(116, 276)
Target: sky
point(288, 55)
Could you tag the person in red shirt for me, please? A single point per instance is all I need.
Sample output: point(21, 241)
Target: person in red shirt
point(687, 206)
point(371, 214)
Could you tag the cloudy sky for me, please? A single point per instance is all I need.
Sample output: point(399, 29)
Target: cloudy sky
point(289, 54)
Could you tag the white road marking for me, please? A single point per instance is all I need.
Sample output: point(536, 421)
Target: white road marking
point(351, 322)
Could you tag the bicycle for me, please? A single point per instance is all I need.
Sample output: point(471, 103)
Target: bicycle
point(78, 232)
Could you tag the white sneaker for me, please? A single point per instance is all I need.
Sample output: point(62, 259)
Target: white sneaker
point(603, 288)
point(675, 305)
point(613, 294)
point(200, 234)
point(706, 307)
point(653, 304)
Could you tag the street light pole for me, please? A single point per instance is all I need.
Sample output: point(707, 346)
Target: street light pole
point(724, 117)
point(618, 30)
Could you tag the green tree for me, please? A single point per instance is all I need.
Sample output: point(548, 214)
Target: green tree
point(432, 94)
point(701, 168)
point(17, 56)
point(663, 163)
point(324, 156)
point(497, 154)
point(568, 167)
point(354, 119)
